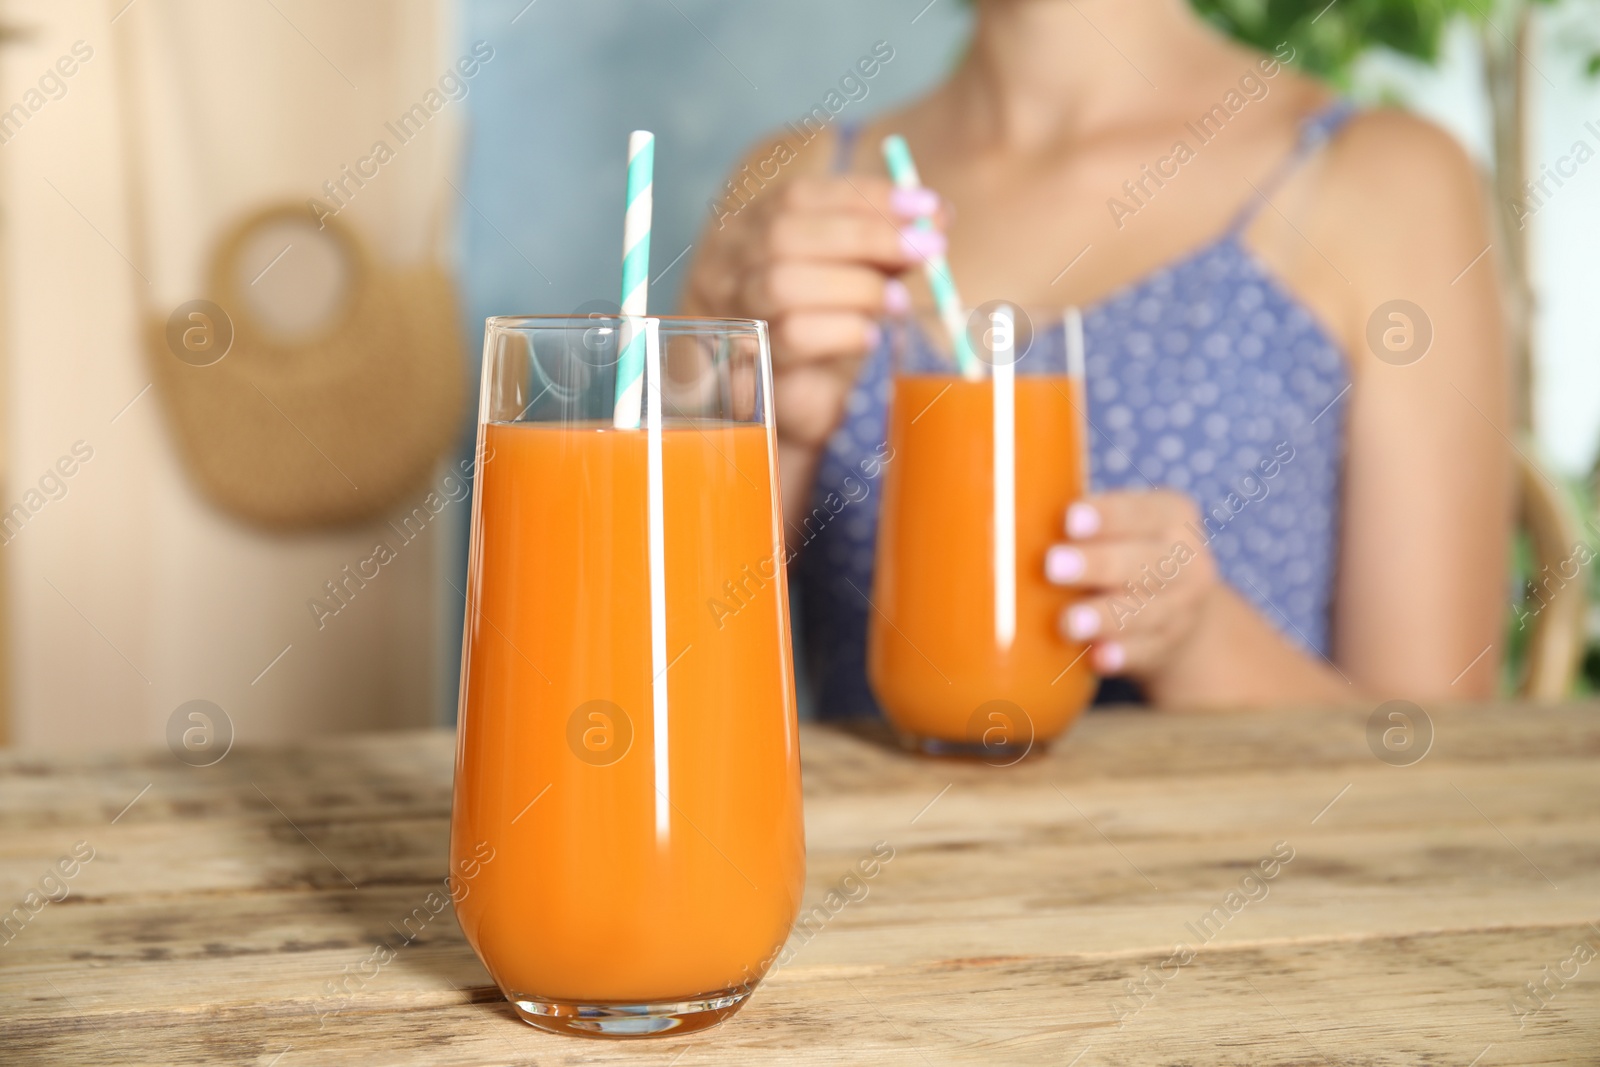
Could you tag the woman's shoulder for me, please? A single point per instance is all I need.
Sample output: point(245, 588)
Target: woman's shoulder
point(1403, 211)
point(1369, 145)
point(1390, 169)
point(1377, 145)
point(1400, 191)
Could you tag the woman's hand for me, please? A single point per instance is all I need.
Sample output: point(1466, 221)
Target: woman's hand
point(1140, 559)
point(816, 258)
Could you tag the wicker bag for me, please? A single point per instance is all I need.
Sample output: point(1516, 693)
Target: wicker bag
point(320, 431)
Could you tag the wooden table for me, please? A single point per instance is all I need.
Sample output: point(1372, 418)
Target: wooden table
point(222, 903)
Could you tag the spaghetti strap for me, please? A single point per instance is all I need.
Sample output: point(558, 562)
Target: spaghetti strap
point(849, 133)
point(1316, 130)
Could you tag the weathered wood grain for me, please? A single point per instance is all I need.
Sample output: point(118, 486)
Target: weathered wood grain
point(1019, 904)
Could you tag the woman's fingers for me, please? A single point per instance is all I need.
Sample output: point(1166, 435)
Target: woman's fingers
point(1134, 655)
point(860, 194)
point(817, 259)
point(851, 237)
point(1141, 561)
point(1108, 564)
point(802, 286)
point(863, 194)
point(1124, 635)
point(1112, 617)
point(807, 336)
point(1131, 515)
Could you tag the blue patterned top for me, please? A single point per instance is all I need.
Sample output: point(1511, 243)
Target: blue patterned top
point(1207, 376)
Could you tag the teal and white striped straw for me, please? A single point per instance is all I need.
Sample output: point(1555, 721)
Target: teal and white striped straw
point(635, 278)
point(904, 174)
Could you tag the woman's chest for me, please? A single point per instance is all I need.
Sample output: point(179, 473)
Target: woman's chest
point(1076, 227)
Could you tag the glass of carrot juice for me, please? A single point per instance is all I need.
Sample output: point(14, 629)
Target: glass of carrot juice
point(963, 650)
point(626, 846)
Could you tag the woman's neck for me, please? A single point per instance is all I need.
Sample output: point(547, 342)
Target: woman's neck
point(1040, 72)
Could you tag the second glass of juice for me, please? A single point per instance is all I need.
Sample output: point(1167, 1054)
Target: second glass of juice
point(964, 651)
point(626, 845)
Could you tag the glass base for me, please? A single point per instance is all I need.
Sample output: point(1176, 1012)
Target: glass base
point(668, 1018)
point(994, 755)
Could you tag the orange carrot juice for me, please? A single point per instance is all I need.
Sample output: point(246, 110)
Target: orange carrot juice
point(630, 863)
point(939, 655)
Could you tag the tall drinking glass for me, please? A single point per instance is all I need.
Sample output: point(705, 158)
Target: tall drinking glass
point(963, 649)
point(627, 851)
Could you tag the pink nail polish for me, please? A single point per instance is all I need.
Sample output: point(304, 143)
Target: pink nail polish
point(914, 203)
point(1083, 520)
point(1083, 622)
point(1063, 565)
point(918, 243)
point(1110, 657)
point(896, 297)
point(874, 336)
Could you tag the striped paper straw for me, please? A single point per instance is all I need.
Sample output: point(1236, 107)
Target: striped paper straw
point(635, 278)
point(904, 174)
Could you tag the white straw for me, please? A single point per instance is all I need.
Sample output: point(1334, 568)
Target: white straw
point(1072, 319)
point(655, 509)
point(1002, 321)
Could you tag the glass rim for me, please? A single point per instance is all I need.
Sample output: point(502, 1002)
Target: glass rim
point(679, 322)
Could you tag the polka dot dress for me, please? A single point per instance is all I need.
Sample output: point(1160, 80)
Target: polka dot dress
point(1207, 377)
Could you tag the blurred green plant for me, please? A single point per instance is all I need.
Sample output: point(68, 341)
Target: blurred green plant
point(1329, 37)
